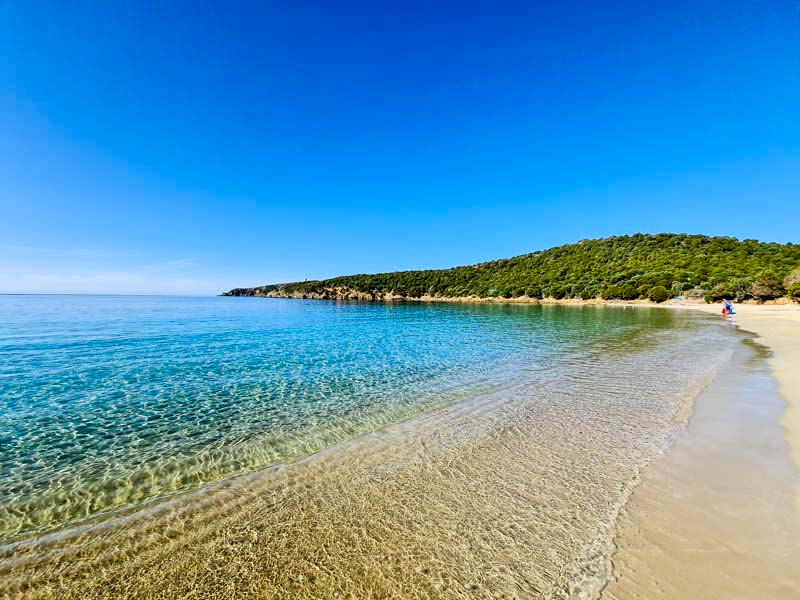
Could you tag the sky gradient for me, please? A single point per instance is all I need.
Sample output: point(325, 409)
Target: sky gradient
point(190, 149)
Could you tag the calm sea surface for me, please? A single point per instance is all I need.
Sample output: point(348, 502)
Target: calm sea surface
point(107, 402)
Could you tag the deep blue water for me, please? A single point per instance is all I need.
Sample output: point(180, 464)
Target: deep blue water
point(109, 401)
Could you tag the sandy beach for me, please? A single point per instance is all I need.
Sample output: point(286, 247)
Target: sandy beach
point(718, 515)
point(366, 301)
point(777, 328)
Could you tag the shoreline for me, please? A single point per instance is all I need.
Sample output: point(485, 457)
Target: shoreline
point(777, 327)
point(647, 541)
point(776, 323)
point(717, 515)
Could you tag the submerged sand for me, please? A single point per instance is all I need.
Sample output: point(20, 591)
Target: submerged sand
point(718, 516)
point(491, 498)
point(514, 494)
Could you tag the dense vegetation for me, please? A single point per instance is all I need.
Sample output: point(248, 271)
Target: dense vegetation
point(657, 267)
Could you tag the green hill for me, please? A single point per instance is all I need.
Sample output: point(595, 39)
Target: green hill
point(624, 267)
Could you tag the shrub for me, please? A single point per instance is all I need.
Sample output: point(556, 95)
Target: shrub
point(629, 292)
point(696, 293)
point(793, 291)
point(611, 291)
point(621, 292)
point(720, 292)
point(768, 287)
point(741, 288)
point(658, 294)
point(792, 278)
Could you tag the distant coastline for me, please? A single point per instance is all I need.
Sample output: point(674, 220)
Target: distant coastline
point(652, 267)
point(355, 295)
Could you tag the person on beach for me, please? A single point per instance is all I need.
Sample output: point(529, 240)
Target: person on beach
point(727, 309)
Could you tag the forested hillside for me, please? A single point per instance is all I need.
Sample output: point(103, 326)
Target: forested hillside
point(624, 267)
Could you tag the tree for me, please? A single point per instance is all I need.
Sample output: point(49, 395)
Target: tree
point(741, 288)
point(658, 294)
point(792, 278)
point(719, 292)
point(629, 292)
point(590, 293)
point(768, 287)
point(624, 267)
point(793, 291)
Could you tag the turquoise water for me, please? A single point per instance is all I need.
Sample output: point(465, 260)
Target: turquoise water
point(107, 402)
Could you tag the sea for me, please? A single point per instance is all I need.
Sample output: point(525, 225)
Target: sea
point(535, 418)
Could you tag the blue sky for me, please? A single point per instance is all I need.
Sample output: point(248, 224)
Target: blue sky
point(190, 148)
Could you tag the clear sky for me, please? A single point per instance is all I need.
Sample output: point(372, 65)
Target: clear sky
point(194, 147)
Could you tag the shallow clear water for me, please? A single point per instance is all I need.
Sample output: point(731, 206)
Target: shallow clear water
point(107, 402)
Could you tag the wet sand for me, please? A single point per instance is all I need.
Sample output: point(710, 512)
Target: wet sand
point(777, 328)
point(718, 516)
